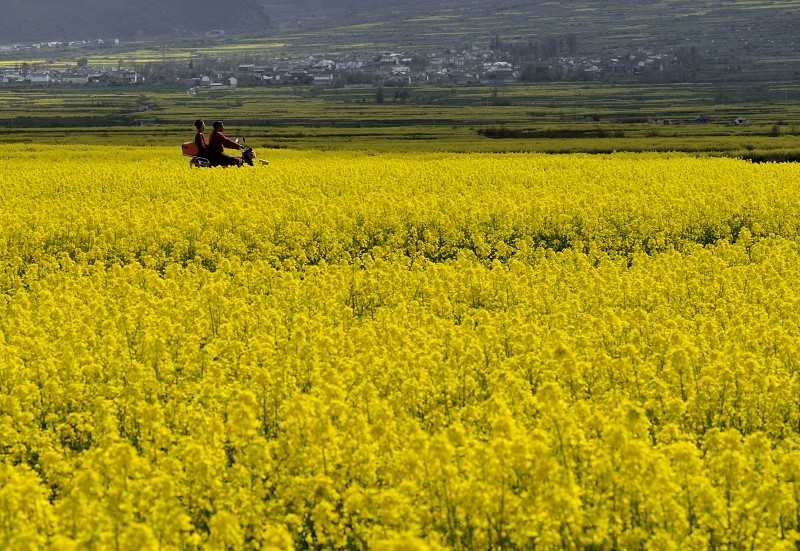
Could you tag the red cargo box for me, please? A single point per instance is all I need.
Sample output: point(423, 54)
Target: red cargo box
point(190, 148)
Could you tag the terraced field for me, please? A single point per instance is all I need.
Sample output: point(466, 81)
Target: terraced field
point(545, 118)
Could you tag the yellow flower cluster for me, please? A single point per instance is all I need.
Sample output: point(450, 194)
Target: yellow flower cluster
point(417, 351)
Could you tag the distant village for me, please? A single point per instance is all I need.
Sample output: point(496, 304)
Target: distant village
point(463, 68)
point(447, 68)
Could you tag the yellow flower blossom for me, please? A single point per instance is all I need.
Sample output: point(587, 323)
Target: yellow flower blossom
point(398, 351)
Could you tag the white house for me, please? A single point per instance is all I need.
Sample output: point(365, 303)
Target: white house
point(126, 76)
point(326, 64)
point(323, 78)
point(41, 79)
point(234, 82)
point(349, 65)
point(74, 78)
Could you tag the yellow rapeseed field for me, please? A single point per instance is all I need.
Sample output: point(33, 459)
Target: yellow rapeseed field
point(398, 352)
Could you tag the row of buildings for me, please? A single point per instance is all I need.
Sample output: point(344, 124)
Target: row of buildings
point(450, 68)
point(66, 76)
point(388, 68)
point(464, 68)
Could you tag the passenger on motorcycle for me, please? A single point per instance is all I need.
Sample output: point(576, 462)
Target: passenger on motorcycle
point(200, 139)
point(216, 147)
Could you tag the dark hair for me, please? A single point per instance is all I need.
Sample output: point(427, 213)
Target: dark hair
point(198, 123)
point(217, 124)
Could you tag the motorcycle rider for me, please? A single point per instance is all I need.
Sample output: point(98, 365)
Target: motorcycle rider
point(216, 147)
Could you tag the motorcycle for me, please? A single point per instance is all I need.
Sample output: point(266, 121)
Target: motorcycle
point(197, 161)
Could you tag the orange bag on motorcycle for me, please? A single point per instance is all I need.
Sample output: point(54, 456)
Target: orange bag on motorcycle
point(190, 149)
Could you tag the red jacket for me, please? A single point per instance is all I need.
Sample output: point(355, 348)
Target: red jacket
point(218, 142)
point(200, 142)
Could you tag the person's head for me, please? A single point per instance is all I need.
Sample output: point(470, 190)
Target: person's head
point(218, 125)
point(199, 124)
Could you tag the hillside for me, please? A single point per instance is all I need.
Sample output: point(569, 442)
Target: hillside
point(89, 19)
point(751, 37)
point(749, 29)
